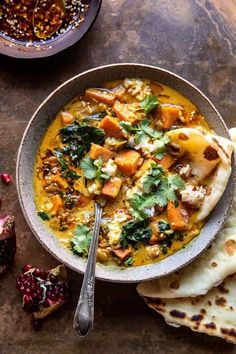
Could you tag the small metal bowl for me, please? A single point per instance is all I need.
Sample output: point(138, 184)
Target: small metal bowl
point(35, 131)
point(32, 50)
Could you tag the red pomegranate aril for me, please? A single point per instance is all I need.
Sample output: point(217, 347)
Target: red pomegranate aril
point(53, 278)
point(5, 177)
point(26, 268)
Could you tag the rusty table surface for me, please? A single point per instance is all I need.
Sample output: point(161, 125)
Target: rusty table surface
point(193, 38)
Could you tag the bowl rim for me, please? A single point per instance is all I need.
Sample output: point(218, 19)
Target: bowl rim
point(21, 50)
point(106, 273)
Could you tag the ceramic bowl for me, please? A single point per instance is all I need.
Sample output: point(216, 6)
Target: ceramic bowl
point(36, 130)
point(18, 49)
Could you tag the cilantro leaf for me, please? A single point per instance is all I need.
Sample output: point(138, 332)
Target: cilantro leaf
point(153, 178)
point(99, 174)
point(160, 146)
point(139, 203)
point(93, 169)
point(43, 215)
point(159, 189)
point(127, 127)
point(81, 241)
point(176, 182)
point(135, 231)
point(88, 167)
point(149, 103)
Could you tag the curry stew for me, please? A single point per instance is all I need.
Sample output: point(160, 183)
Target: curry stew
point(111, 145)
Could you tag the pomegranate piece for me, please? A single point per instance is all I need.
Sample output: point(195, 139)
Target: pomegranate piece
point(5, 177)
point(7, 242)
point(42, 291)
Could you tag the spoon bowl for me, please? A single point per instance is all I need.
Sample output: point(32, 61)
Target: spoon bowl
point(48, 17)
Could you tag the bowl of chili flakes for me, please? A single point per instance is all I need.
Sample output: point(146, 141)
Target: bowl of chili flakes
point(17, 37)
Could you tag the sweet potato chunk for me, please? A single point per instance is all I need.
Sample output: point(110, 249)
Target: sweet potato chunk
point(166, 162)
point(144, 168)
point(101, 96)
point(111, 127)
point(112, 187)
point(97, 151)
point(124, 111)
point(122, 253)
point(177, 217)
point(128, 161)
point(169, 115)
point(57, 204)
point(66, 118)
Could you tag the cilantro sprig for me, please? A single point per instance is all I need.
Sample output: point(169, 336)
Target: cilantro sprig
point(149, 103)
point(159, 189)
point(144, 131)
point(93, 169)
point(81, 241)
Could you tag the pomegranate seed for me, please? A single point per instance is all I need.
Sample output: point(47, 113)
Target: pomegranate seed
point(5, 177)
point(26, 268)
point(53, 278)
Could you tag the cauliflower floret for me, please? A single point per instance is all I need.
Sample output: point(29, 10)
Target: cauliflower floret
point(115, 226)
point(135, 189)
point(149, 212)
point(95, 188)
point(153, 251)
point(110, 168)
point(193, 195)
point(185, 171)
point(137, 88)
point(110, 143)
point(146, 146)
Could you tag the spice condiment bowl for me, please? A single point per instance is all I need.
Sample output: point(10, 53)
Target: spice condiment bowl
point(44, 48)
point(37, 128)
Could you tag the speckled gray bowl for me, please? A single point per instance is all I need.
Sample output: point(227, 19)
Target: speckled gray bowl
point(32, 139)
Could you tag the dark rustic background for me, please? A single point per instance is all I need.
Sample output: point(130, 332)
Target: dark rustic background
point(193, 38)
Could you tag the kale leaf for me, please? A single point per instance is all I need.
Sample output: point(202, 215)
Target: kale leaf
point(133, 232)
point(81, 241)
point(43, 215)
point(78, 139)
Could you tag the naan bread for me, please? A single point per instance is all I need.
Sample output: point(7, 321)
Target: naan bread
point(213, 313)
point(207, 271)
point(205, 153)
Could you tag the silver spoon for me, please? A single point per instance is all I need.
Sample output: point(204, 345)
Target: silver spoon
point(84, 314)
point(43, 29)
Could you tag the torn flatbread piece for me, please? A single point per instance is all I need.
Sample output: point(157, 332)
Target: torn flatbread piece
point(209, 156)
point(207, 271)
point(212, 314)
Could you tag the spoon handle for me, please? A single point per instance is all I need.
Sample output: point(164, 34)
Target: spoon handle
point(84, 315)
